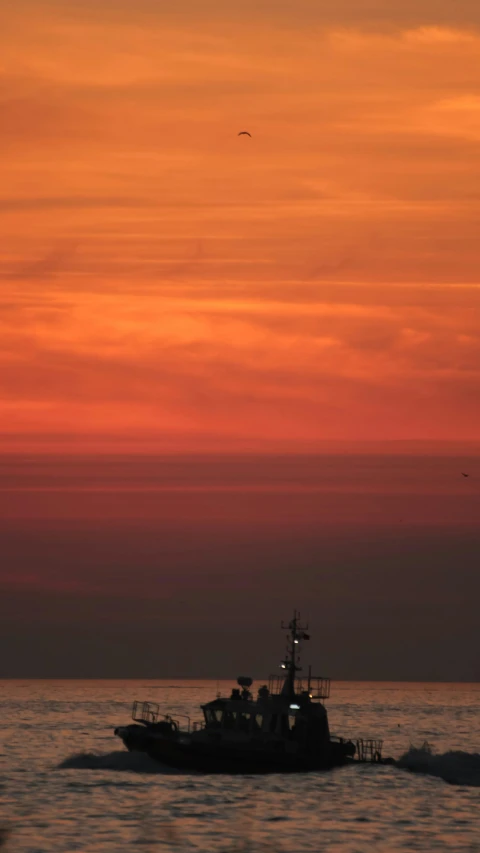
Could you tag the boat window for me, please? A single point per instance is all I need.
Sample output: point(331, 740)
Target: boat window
point(213, 716)
point(257, 722)
point(229, 720)
point(273, 722)
point(243, 722)
point(292, 721)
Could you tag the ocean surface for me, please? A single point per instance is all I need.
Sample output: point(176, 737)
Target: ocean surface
point(67, 784)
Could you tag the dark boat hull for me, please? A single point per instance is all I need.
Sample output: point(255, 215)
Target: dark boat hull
point(185, 753)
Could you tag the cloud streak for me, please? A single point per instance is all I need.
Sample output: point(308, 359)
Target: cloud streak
point(321, 281)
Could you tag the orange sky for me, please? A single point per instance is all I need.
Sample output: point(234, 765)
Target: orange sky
point(167, 283)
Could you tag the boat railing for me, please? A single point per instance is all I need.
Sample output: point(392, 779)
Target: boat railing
point(184, 717)
point(369, 750)
point(145, 712)
point(316, 687)
point(149, 712)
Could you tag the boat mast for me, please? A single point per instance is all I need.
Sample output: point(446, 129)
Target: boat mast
point(292, 658)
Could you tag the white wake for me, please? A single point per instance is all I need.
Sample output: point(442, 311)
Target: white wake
point(133, 762)
point(456, 767)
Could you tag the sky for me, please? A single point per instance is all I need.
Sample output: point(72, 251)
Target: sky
point(239, 374)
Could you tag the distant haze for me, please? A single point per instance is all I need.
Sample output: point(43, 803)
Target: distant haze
point(184, 566)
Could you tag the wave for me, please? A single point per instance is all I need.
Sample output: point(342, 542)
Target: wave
point(133, 762)
point(455, 767)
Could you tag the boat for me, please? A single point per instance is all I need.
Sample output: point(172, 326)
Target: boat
point(283, 729)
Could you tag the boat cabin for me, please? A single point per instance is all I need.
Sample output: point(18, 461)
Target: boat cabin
point(272, 715)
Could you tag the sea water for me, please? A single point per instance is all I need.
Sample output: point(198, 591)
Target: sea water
point(67, 784)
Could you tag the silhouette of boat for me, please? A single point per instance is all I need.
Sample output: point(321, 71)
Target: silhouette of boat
point(283, 730)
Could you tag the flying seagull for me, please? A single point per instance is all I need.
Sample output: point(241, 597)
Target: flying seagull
point(464, 475)
point(244, 133)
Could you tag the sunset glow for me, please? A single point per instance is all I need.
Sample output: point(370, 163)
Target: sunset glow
point(166, 280)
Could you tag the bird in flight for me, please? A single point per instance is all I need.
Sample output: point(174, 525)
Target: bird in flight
point(464, 475)
point(244, 133)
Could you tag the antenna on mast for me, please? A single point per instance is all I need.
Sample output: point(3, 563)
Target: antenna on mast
point(291, 663)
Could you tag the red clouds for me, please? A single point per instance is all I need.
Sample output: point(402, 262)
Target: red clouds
point(161, 283)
